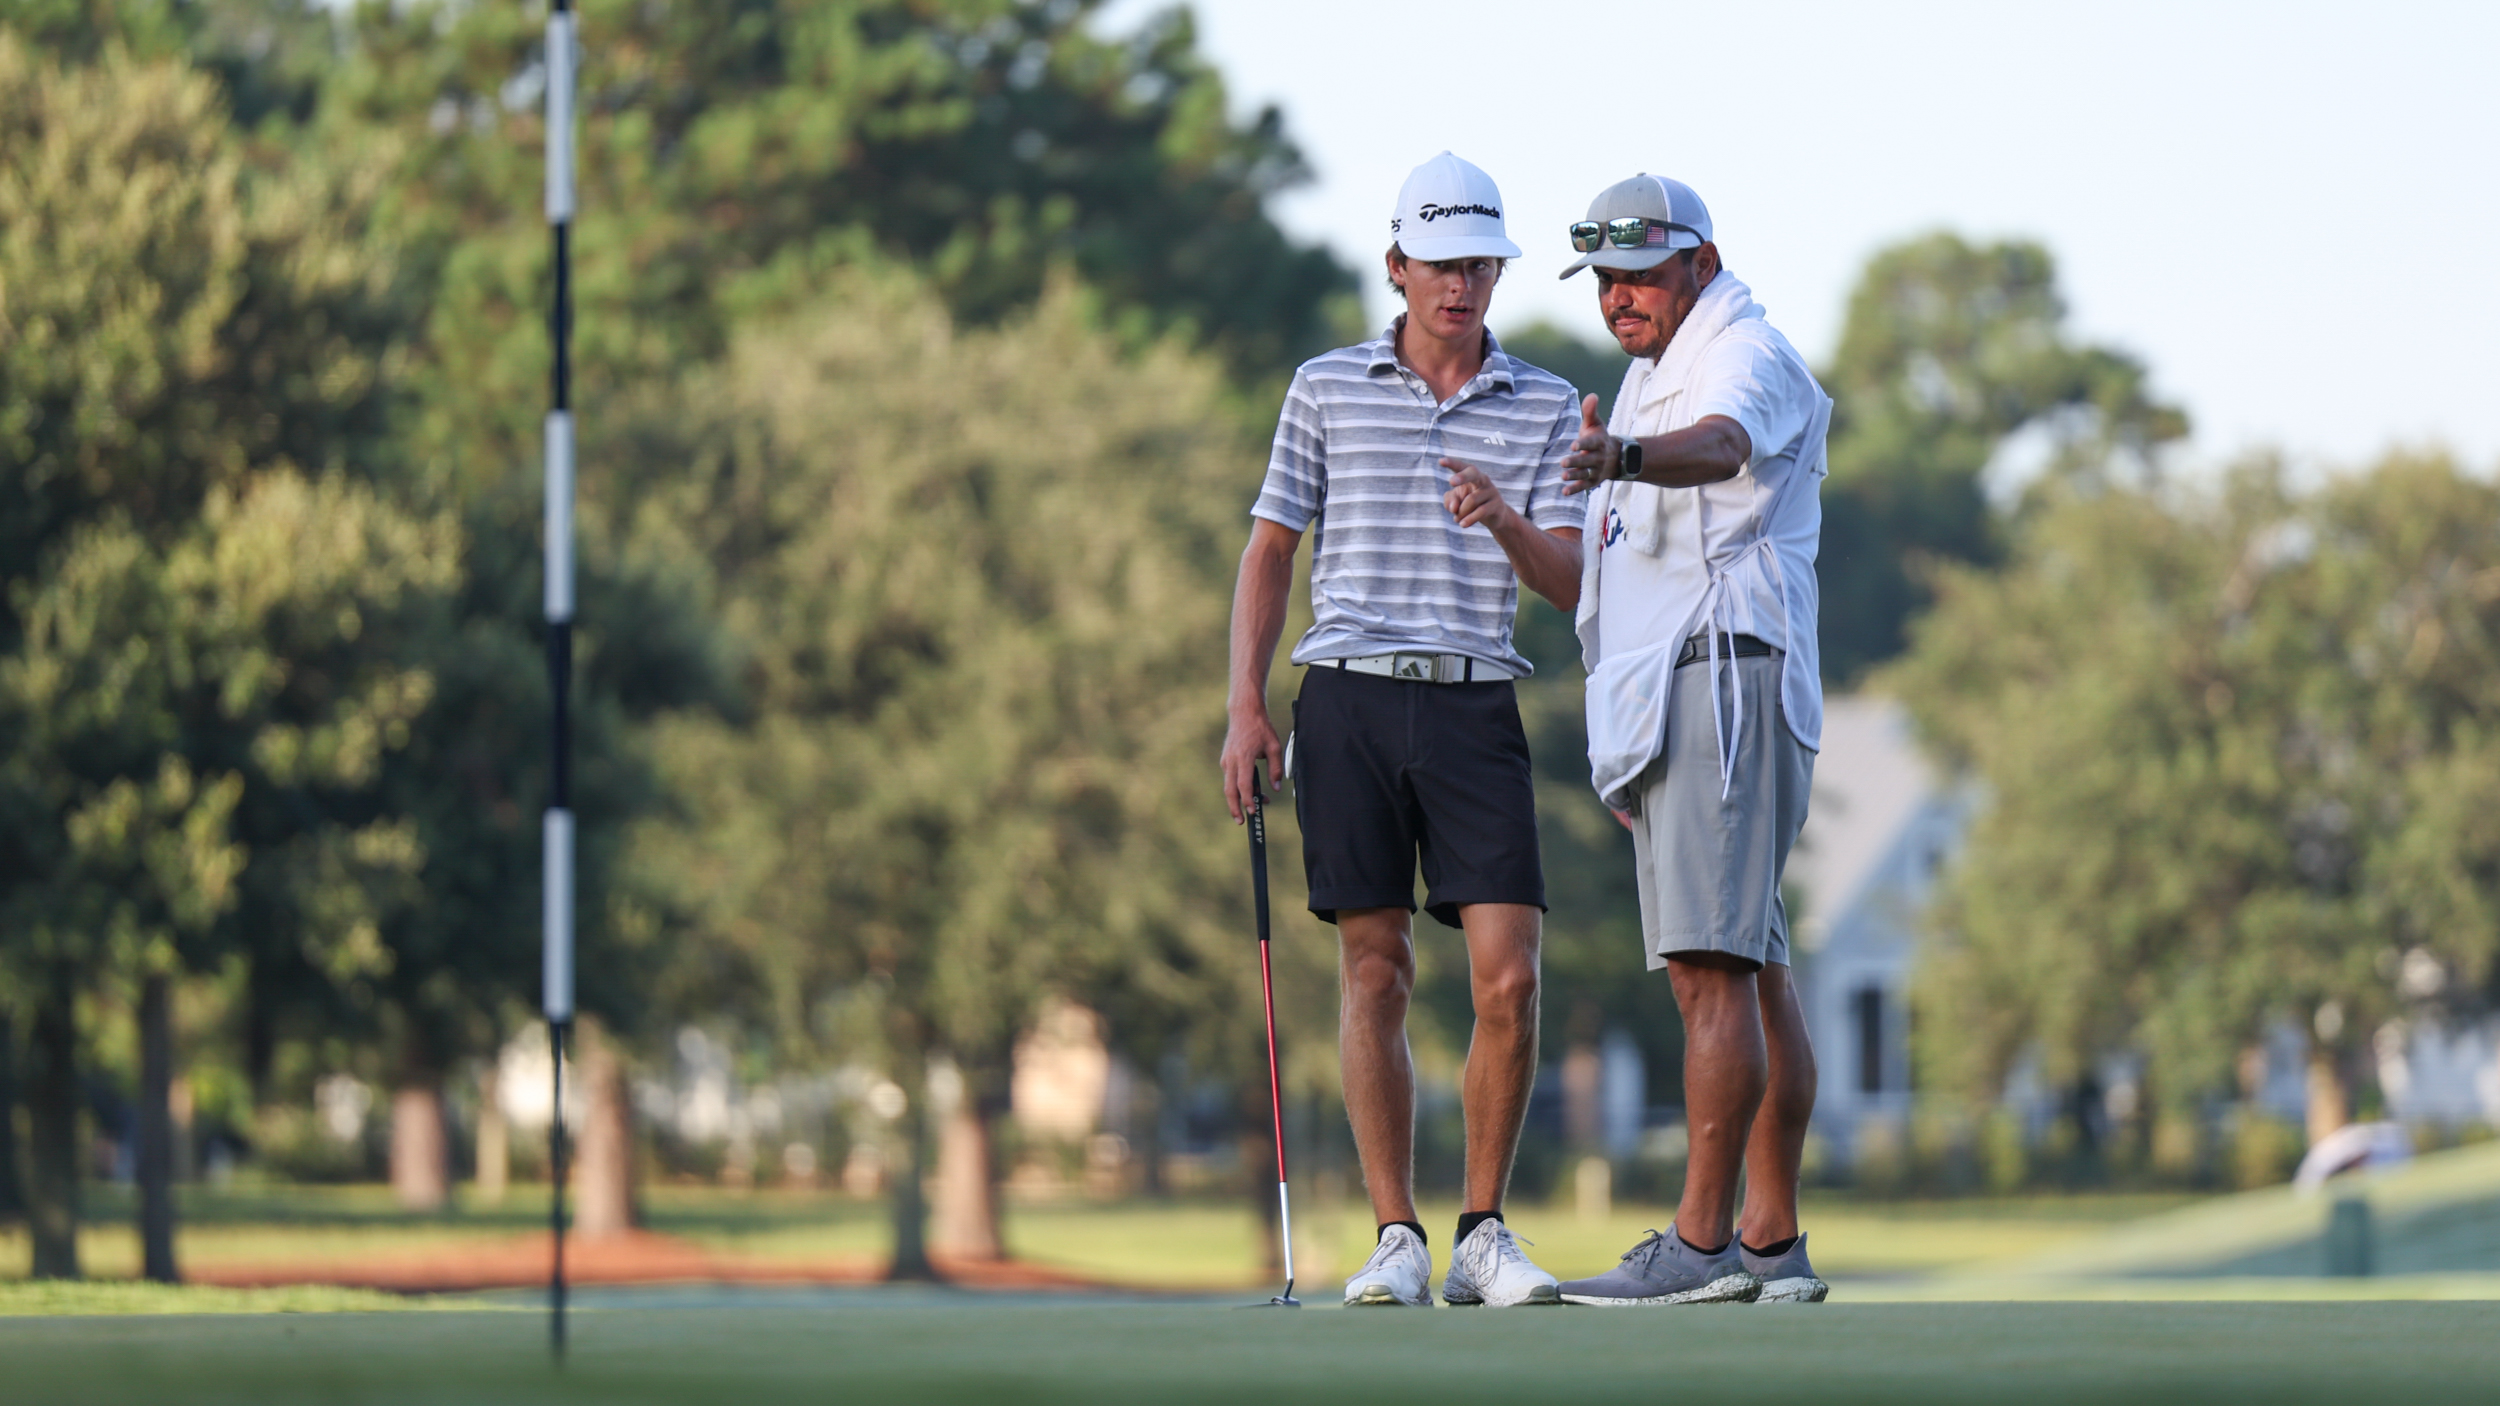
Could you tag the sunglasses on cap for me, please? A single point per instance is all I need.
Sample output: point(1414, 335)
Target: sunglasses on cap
point(1630, 232)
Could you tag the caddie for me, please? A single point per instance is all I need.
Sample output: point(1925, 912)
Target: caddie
point(1697, 618)
point(1427, 465)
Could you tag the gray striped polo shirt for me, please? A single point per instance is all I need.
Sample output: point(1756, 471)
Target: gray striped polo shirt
point(1359, 449)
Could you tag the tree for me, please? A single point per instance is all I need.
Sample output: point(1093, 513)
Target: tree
point(338, 264)
point(2239, 767)
point(988, 141)
point(1949, 350)
point(977, 579)
point(725, 153)
point(180, 356)
point(236, 648)
point(268, 56)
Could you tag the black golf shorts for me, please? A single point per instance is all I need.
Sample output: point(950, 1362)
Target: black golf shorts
point(1389, 771)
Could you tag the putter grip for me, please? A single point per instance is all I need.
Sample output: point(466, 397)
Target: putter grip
point(1258, 858)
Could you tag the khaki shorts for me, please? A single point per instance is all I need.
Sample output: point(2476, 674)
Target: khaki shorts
point(1710, 868)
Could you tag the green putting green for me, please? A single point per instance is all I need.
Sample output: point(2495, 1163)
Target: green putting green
point(934, 1347)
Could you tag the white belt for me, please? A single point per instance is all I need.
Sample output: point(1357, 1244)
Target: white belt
point(1428, 668)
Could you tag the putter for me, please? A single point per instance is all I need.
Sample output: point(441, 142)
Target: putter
point(1275, 1085)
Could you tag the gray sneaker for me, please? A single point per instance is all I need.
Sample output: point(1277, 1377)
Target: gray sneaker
point(1786, 1277)
point(1662, 1269)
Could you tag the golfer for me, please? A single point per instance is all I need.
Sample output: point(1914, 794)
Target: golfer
point(1429, 463)
point(1696, 615)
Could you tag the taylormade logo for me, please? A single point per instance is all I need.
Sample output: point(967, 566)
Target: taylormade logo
point(1430, 212)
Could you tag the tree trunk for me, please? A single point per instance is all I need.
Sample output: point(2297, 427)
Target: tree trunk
point(967, 1185)
point(420, 1140)
point(494, 1139)
point(905, 1197)
point(52, 1128)
point(183, 1104)
point(420, 1146)
point(12, 1192)
point(2330, 1101)
point(1151, 1141)
point(603, 1170)
point(155, 1160)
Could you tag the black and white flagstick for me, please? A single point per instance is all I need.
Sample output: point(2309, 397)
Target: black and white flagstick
point(558, 915)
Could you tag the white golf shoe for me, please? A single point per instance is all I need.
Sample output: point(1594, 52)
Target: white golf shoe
point(1488, 1267)
point(1399, 1273)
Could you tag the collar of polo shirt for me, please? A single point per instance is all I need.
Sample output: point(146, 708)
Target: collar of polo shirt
point(1497, 364)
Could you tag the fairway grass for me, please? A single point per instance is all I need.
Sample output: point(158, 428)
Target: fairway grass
point(937, 1348)
point(2438, 1238)
point(1173, 1246)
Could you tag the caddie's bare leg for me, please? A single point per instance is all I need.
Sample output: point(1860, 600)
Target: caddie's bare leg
point(1726, 1070)
point(1777, 1148)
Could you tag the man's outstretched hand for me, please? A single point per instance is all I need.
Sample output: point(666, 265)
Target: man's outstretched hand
point(1248, 740)
point(1594, 456)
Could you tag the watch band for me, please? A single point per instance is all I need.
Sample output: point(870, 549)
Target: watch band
point(1631, 465)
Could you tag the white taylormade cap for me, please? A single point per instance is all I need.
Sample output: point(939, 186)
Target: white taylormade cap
point(1449, 209)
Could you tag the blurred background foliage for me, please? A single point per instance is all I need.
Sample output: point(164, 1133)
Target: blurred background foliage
point(927, 353)
point(2236, 743)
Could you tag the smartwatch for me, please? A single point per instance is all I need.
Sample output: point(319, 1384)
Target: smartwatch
point(1631, 465)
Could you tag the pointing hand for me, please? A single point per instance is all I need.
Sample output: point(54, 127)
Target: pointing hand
point(1472, 498)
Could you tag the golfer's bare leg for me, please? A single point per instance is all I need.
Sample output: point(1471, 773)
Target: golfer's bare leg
point(1502, 946)
point(1725, 1072)
point(1772, 1158)
point(1375, 979)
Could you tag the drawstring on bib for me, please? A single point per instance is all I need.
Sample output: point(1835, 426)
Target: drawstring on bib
point(1729, 731)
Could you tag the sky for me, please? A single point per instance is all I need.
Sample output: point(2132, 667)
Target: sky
point(2287, 210)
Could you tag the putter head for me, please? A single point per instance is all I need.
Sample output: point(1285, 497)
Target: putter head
point(1283, 1300)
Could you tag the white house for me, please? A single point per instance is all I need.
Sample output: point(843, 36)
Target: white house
point(1880, 825)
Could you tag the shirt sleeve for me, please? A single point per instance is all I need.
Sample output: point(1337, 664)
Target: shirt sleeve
point(1548, 506)
point(1754, 384)
point(1297, 467)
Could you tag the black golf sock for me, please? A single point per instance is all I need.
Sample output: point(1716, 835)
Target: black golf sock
point(1419, 1231)
point(1773, 1250)
point(1700, 1249)
point(1469, 1220)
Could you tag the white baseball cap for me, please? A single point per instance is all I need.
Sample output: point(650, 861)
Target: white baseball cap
point(1663, 216)
point(1449, 209)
